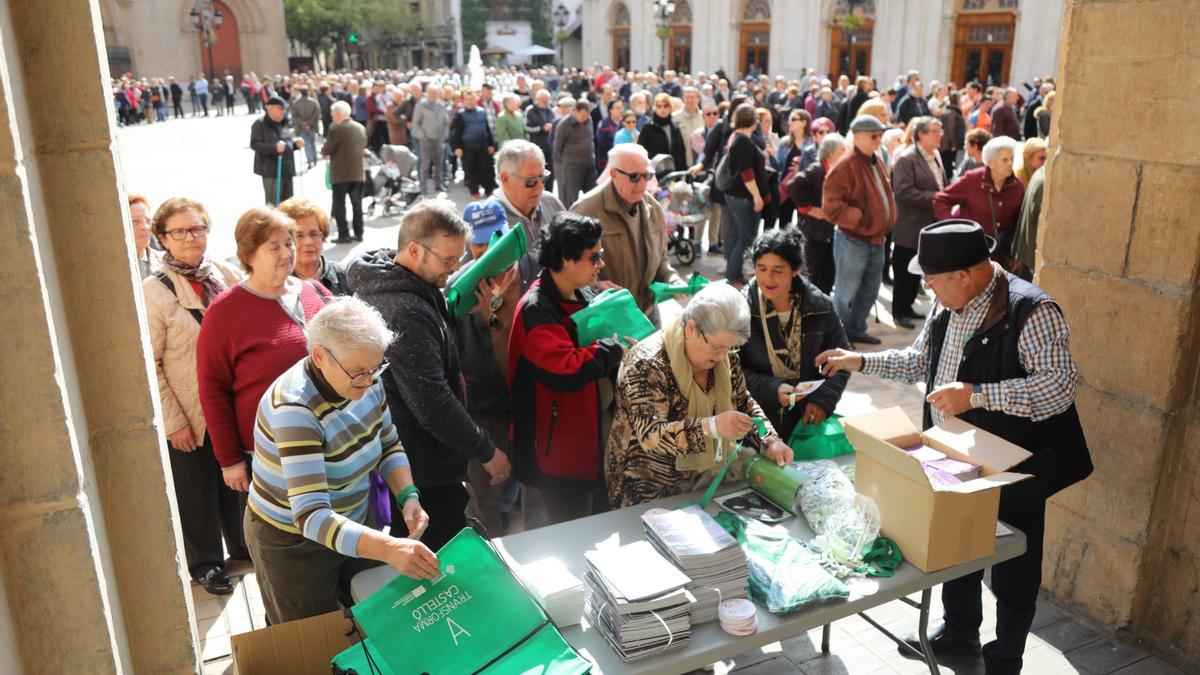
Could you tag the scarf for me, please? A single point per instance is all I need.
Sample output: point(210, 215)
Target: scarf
point(780, 369)
point(701, 404)
point(202, 274)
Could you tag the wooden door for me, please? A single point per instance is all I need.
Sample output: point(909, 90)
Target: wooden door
point(226, 53)
point(983, 48)
point(850, 53)
point(755, 47)
point(680, 50)
point(620, 48)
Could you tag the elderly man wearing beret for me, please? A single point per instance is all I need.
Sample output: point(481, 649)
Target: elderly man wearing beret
point(994, 352)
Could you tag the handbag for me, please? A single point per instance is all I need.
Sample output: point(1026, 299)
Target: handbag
point(503, 251)
point(612, 312)
point(475, 618)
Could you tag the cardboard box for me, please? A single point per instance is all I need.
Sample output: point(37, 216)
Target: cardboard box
point(303, 647)
point(935, 528)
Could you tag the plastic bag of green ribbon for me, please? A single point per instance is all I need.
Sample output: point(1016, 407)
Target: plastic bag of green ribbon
point(503, 251)
point(613, 311)
point(664, 291)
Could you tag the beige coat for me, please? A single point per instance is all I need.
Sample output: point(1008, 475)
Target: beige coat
point(630, 262)
point(173, 333)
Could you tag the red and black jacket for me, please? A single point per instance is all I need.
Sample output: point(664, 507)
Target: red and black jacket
point(554, 385)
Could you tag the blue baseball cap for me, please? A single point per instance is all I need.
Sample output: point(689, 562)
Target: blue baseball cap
point(486, 217)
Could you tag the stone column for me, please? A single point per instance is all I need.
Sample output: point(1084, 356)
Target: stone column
point(89, 550)
point(1119, 247)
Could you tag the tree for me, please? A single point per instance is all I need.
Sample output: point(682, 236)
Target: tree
point(321, 24)
point(475, 15)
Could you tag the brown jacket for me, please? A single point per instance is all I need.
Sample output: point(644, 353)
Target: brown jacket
point(173, 333)
point(628, 263)
point(852, 201)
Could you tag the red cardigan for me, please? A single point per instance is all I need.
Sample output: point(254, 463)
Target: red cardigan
point(245, 343)
point(970, 194)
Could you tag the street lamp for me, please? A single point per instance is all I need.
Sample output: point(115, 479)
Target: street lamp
point(207, 20)
point(664, 10)
point(561, 16)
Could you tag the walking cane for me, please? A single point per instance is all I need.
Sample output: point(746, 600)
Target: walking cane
point(278, 176)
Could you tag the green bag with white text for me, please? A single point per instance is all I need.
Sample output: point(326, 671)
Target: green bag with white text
point(475, 618)
point(613, 311)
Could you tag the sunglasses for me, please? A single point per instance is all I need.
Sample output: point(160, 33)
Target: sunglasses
point(711, 114)
point(530, 182)
point(635, 177)
point(596, 258)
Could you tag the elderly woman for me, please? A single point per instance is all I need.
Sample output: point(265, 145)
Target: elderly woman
point(551, 375)
point(148, 259)
point(252, 333)
point(791, 321)
point(312, 229)
point(990, 195)
point(682, 403)
point(177, 297)
point(322, 429)
point(510, 123)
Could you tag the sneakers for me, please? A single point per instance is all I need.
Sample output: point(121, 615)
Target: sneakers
point(216, 582)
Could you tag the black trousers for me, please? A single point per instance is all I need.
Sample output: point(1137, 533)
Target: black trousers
point(904, 283)
point(446, 506)
point(477, 170)
point(948, 164)
point(208, 509)
point(177, 106)
point(887, 257)
point(285, 189)
point(818, 256)
point(354, 192)
point(1015, 583)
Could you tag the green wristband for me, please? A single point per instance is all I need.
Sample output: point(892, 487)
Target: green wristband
point(410, 492)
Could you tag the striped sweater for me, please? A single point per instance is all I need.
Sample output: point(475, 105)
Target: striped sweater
point(313, 453)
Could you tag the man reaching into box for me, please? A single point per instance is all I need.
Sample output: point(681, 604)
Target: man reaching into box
point(994, 352)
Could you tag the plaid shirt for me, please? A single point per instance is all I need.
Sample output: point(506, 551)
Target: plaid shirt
point(1043, 350)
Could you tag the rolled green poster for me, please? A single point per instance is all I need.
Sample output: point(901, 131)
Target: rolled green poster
point(776, 484)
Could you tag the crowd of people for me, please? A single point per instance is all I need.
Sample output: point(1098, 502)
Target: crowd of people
point(359, 420)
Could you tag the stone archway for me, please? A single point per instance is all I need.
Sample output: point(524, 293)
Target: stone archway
point(754, 42)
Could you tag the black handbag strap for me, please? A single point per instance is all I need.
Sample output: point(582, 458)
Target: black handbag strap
point(166, 281)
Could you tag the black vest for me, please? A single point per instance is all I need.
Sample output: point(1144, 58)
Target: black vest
point(1060, 453)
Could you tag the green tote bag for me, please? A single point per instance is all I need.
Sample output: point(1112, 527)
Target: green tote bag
point(503, 251)
point(613, 311)
point(475, 618)
point(820, 441)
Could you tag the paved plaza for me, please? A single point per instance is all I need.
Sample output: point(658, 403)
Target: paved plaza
point(209, 160)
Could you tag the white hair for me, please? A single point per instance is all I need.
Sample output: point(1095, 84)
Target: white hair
point(996, 145)
point(346, 324)
point(717, 308)
point(341, 108)
point(830, 145)
point(513, 152)
point(618, 152)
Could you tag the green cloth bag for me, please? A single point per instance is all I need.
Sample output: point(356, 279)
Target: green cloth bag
point(613, 311)
point(503, 251)
point(664, 291)
point(475, 618)
point(820, 441)
point(354, 661)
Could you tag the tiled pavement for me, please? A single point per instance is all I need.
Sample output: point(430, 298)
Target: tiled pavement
point(1060, 643)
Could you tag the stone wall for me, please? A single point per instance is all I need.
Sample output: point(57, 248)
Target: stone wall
point(1120, 249)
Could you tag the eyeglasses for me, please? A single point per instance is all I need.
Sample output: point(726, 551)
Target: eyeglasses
point(635, 177)
point(315, 234)
point(447, 261)
point(182, 233)
point(363, 378)
point(530, 182)
point(596, 258)
point(716, 349)
point(711, 113)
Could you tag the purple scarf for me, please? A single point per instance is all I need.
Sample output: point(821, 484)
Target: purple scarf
point(202, 274)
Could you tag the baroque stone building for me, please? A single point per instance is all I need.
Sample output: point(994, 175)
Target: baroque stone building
point(160, 38)
point(997, 41)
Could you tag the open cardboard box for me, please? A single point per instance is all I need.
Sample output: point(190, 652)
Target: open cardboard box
point(940, 527)
point(303, 647)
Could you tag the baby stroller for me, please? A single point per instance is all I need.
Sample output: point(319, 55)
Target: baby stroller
point(391, 179)
point(685, 202)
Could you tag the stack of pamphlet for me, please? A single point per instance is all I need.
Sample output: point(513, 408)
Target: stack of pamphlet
point(705, 552)
point(637, 600)
point(942, 471)
point(559, 591)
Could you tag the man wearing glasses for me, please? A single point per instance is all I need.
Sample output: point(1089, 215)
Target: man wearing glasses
point(424, 386)
point(635, 236)
point(523, 174)
point(689, 119)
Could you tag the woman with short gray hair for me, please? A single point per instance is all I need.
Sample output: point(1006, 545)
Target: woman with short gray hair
point(322, 428)
point(990, 195)
point(682, 403)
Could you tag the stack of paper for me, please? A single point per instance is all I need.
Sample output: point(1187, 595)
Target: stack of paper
point(942, 471)
point(705, 552)
point(637, 600)
point(559, 591)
